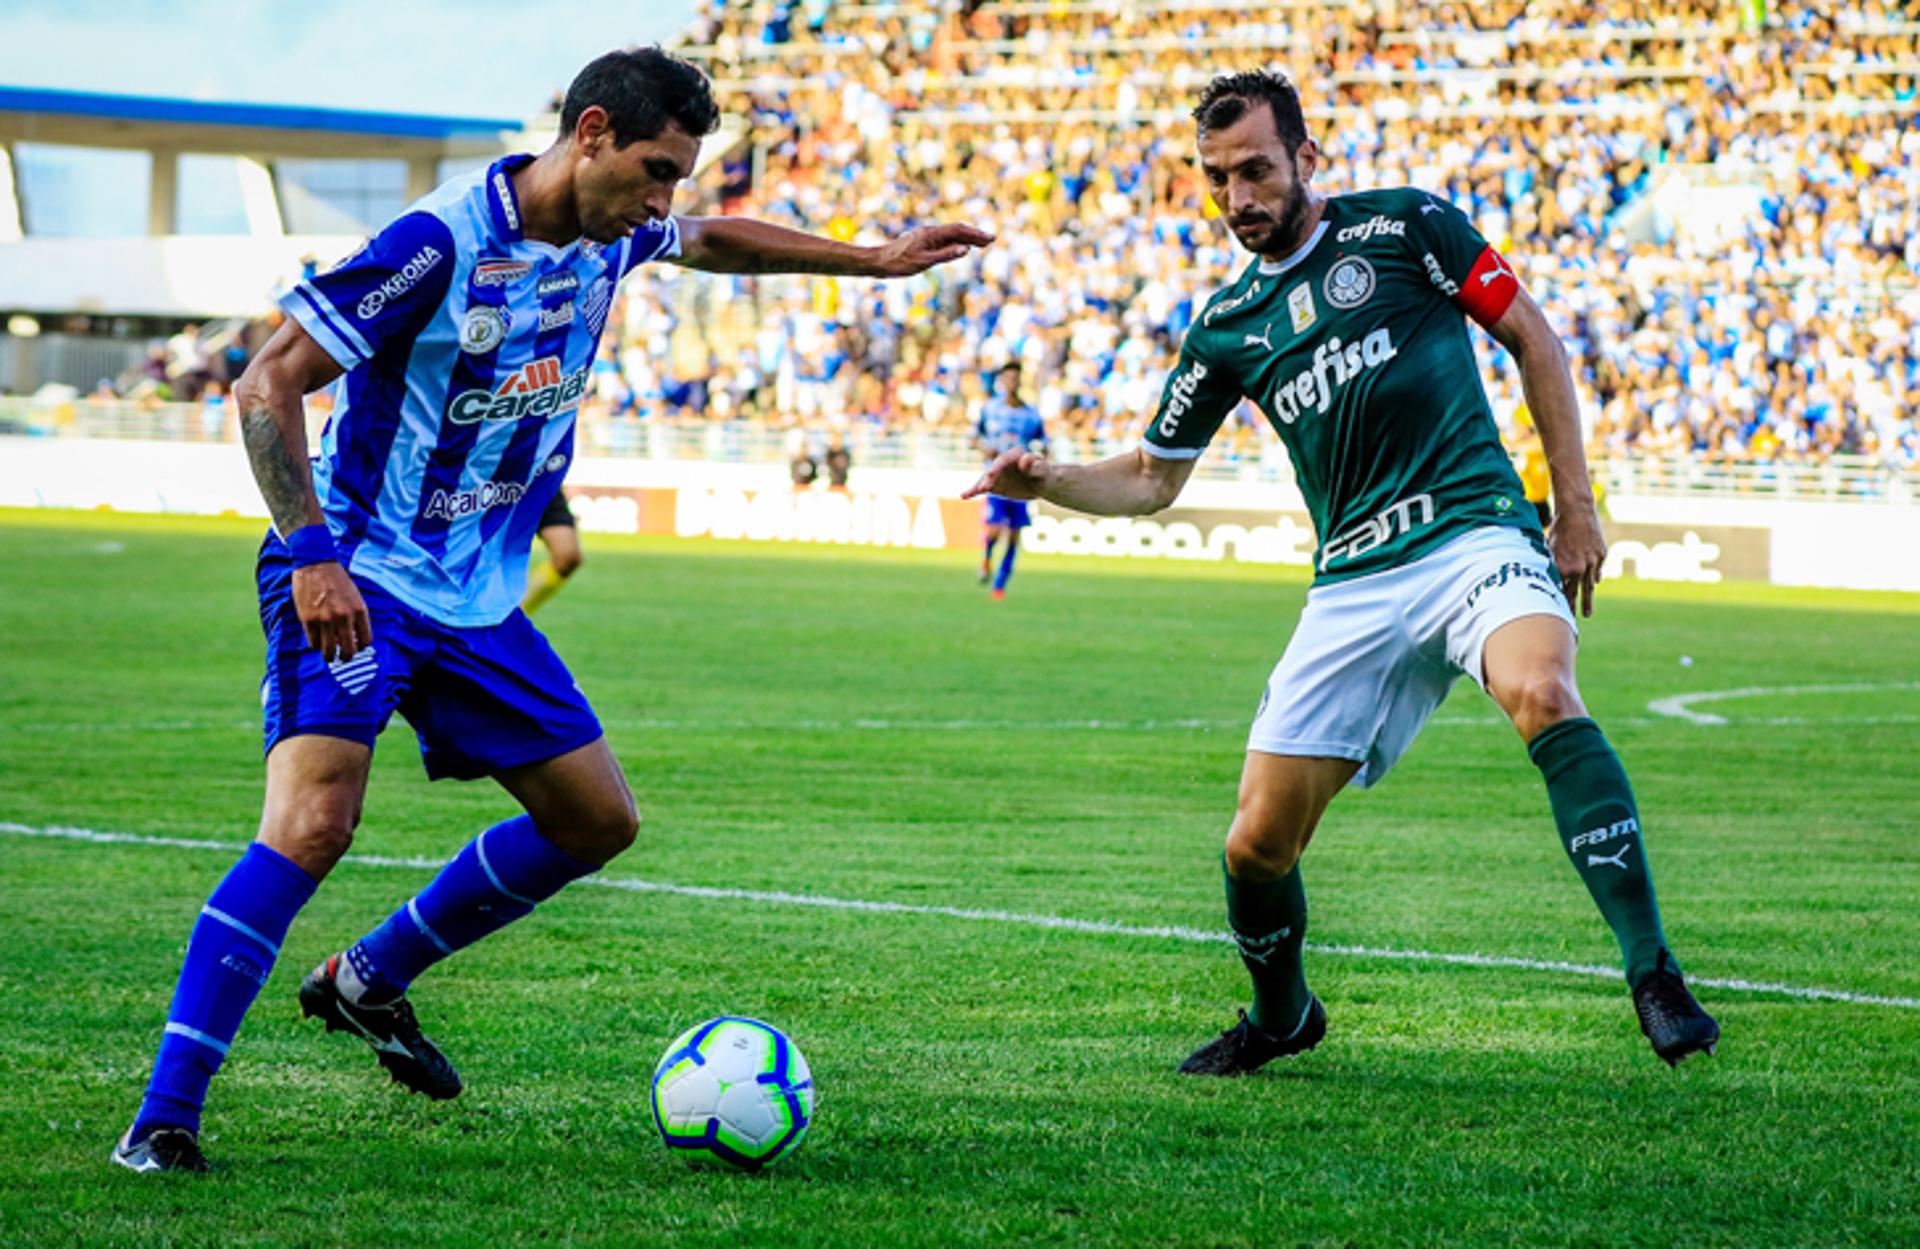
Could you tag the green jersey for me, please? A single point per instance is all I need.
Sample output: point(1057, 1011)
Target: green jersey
point(1355, 347)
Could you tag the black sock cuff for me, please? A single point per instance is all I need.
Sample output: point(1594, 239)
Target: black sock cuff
point(1566, 742)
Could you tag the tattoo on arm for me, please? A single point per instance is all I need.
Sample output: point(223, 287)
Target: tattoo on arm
point(286, 482)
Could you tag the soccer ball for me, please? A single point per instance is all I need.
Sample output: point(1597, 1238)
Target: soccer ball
point(733, 1090)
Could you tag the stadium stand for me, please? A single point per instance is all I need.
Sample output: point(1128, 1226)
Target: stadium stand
point(1715, 203)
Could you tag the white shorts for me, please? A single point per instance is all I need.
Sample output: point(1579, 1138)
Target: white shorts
point(1372, 657)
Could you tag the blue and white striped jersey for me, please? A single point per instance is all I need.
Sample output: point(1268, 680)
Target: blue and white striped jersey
point(468, 350)
point(1007, 426)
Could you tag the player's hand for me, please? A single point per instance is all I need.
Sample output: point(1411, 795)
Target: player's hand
point(1580, 552)
point(331, 611)
point(1014, 475)
point(916, 251)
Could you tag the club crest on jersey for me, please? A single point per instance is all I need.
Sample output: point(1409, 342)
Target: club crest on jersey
point(1350, 282)
point(500, 272)
point(1300, 307)
point(538, 389)
point(483, 329)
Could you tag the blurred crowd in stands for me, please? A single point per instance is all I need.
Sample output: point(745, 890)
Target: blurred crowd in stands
point(1718, 204)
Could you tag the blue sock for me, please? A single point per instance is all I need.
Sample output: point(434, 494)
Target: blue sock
point(495, 879)
point(234, 944)
point(1006, 567)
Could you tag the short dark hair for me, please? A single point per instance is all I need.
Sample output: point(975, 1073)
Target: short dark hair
point(1010, 366)
point(1229, 97)
point(643, 90)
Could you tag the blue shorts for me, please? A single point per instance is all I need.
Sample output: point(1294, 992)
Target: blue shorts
point(481, 700)
point(1012, 513)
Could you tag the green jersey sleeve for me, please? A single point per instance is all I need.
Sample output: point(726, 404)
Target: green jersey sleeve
point(1198, 396)
point(1460, 262)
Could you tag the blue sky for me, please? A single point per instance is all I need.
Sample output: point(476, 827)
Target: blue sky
point(482, 58)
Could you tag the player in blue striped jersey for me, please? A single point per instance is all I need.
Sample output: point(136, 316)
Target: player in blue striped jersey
point(1005, 424)
point(391, 579)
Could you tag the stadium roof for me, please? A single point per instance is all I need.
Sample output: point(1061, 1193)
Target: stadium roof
point(91, 119)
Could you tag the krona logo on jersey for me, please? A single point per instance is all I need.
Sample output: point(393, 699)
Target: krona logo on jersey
point(539, 389)
point(398, 284)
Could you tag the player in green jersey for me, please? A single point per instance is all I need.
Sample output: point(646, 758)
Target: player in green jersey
point(1349, 332)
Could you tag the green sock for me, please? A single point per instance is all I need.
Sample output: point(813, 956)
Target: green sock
point(1269, 922)
point(1593, 807)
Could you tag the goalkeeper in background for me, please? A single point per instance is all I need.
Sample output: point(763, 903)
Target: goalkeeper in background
point(560, 534)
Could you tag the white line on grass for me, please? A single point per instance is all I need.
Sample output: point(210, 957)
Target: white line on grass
point(1099, 927)
point(1667, 711)
point(1680, 706)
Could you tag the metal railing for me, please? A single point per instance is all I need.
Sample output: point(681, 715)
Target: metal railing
point(1839, 478)
point(1836, 479)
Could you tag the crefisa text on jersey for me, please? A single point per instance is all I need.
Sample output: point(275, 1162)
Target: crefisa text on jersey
point(1373, 227)
point(1313, 389)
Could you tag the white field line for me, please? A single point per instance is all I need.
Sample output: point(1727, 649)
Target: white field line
point(1668, 711)
point(1680, 706)
point(1098, 927)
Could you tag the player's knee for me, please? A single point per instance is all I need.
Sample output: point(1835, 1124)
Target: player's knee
point(566, 563)
point(1261, 846)
point(1544, 699)
point(613, 827)
point(317, 832)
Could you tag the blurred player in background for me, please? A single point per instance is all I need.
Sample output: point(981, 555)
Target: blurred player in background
point(1536, 478)
point(560, 534)
point(391, 580)
point(1349, 331)
point(1006, 424)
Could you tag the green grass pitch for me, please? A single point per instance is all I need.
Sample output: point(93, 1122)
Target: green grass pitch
point(867, 726)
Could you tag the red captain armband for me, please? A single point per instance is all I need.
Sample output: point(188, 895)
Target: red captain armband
point(1488, 289)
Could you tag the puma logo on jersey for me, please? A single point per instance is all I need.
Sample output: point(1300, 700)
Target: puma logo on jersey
point(1499, 269)
point(1431, 206)
point(1263, 339)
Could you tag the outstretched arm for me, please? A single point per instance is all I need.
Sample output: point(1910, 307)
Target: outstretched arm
point(1133, 484)
point(743, 245)
point(1578, 547)
point(270, 397)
